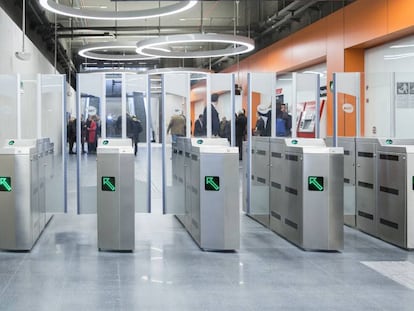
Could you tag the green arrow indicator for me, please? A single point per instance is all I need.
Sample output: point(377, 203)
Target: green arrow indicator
point(5, 184)
point(315, 183)
point(212, 183)
point(108, 183)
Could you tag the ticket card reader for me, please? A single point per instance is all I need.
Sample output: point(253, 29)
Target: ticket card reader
point(22, 196)
point(115, 195)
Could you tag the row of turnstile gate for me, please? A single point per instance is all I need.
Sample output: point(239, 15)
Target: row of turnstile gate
point(205, 189)
point(379, 187)
point(305, 186)
point(26, 169)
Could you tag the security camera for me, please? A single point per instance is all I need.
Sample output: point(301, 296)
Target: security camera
point(23, 55)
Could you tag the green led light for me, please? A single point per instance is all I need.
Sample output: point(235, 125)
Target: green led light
point(200, 141)
point(11, 142)
point(389, 141)
point(105, 142)
point(315, 183)
point(212, 183)
point(5, 184)
point(108, 183)
point(294, 142)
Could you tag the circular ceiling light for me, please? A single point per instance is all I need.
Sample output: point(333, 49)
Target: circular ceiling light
point(178, 70)
point(90, 51)
point(53, 6)
point(159, 47)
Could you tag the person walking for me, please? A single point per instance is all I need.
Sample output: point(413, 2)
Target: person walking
point(241, 123)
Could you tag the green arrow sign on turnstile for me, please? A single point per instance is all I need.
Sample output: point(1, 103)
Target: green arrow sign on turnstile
point(212, 183)
point(5, 184)
point(315, 183)
point(108, 183)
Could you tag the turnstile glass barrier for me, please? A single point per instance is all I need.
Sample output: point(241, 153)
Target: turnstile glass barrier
point(24, 171)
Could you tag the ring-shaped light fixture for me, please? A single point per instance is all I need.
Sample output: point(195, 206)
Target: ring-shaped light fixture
point(156, 47)
point(178, 70)
point(88, 51)
point(61, 9)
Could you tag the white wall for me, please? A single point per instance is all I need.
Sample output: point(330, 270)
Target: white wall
point(387, 112)
point(11, 42)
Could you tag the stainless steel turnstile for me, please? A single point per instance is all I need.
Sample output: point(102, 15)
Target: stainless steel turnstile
point(23, 168)
point(115, 195)
point(395, 194)
point(306, 191)
point(211, 179)
point(366, 180)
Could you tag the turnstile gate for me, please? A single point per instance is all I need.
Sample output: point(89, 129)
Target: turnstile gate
point(395, 212)
point(23, 166)
point(209, 167)
point(306, 193)
point(115, 195)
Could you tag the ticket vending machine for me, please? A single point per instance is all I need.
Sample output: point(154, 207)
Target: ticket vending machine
point(22, 193)
point(115, 195)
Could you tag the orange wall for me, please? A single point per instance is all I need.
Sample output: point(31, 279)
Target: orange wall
point(339, 39)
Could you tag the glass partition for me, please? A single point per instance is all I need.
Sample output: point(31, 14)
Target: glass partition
point(28, 106)
point(346, 125)
point(9, 103)
point(52, 124)
point(176, 123)
point(33, 107)
point(138, 129)
point(221, 115)
point(90, 99)
point(261, 105)
point(112, 105)
point(306, 105)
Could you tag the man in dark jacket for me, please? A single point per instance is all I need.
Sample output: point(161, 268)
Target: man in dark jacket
point(241, 123)
point(199, 126)
point(135, 129)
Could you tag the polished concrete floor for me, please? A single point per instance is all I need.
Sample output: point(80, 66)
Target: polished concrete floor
point(167, 271)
